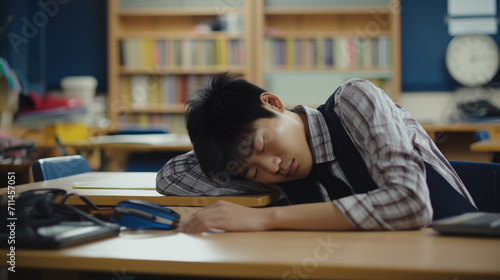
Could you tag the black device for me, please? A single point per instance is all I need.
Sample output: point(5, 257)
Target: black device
point(479, 109)
point(41, 219)
point(475, 223)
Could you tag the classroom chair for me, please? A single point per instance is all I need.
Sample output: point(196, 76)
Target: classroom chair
point(57, 167)
point(481, 134)
point(482, 181)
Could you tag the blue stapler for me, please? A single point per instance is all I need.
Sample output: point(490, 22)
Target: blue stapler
point(136, 214)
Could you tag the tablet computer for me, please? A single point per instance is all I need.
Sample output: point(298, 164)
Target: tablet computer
point(475, 223)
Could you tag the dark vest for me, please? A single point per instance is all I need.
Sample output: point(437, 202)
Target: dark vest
point(445, 200)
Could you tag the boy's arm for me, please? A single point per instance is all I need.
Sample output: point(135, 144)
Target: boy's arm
point(182, 175)
point(387, 140)
point(232, 217)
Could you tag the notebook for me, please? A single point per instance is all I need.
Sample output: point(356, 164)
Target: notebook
point(476, 223)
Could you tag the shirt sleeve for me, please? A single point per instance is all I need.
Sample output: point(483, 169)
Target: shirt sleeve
point(377, 127)
point(182, 175)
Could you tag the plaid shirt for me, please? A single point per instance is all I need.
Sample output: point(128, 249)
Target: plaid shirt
point(392, 144)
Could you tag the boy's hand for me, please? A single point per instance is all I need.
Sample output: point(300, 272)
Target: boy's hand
point(227, 216)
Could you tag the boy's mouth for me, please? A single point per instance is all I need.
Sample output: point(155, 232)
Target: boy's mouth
point(291, 169)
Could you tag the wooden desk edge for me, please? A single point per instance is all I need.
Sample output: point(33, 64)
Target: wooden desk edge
point(489, 145)
point(457, 126)
point(253, 200)
point(241, 270)
point(110, 197)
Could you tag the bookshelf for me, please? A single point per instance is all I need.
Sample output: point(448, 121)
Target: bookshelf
point(300, 50)
point(159, 51)
point(306, 49)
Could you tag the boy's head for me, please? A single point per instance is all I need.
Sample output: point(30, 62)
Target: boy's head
point(219, 116)
point(241, 130)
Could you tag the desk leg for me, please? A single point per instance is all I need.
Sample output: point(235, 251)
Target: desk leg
point(495, 157)
point(102, 155)
point(114, 160)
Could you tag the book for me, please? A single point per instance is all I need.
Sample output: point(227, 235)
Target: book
point(340, 52)
point(151, 53)
point(127, 182)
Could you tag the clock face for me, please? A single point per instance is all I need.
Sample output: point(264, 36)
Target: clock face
point(472, 60)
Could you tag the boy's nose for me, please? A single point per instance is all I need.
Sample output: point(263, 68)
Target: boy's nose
point(271, 163)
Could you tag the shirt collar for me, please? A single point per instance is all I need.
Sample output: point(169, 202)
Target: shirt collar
point(319, 136)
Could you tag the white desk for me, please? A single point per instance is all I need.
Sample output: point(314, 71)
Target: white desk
point(420, 254)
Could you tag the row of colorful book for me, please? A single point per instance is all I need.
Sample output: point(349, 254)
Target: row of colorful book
point(340, 52)
point(145, 90)
point(143, 53)
point(173, 123)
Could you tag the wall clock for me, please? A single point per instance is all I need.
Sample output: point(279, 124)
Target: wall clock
point(472, 60)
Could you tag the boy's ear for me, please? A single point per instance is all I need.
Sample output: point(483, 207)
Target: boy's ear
point(272, 100)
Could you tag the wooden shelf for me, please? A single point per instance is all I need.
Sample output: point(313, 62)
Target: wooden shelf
point(202, 70)
point(170, 25)
point(162, 35)
point(377, 26)
point(205, 11)
point(172, 108)
point(327, 33)
point(155, 57)
point(330, 11)
point(383, 72)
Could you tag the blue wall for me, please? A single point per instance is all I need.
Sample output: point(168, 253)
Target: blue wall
point(73, 42)
point(23, 43)
point(68, 40)
point(77, 43)
point(424, 38)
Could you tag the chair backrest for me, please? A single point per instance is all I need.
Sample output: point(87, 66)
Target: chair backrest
point(481, 134)
point(57, 167)
point(482, 181)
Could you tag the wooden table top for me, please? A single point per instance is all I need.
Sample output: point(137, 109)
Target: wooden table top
point(488, 145)
point(419, 254)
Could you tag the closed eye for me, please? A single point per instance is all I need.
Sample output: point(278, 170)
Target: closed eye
point(262, 151)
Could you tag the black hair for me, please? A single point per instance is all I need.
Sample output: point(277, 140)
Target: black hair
point(219, 116)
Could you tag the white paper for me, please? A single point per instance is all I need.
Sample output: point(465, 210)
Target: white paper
point(461, 26)
point(457, 8)
point(126, 181)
